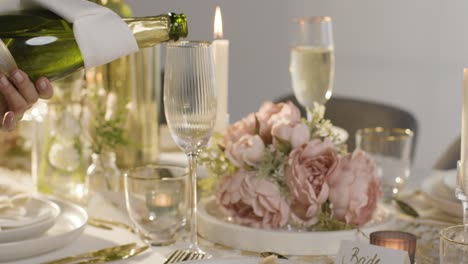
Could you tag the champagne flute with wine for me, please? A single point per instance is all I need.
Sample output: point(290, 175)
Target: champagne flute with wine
point(312, 61)
point(190, 107)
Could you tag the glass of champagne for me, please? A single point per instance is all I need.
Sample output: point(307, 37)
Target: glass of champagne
point(312, 62)
point(190, 107)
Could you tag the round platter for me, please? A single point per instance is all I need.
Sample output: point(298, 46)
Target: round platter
point(213, 227)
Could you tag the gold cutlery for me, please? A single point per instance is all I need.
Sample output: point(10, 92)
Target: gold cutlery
point(125, 254)
point(106, 224)
point(183, 255)
point(94, 254)
point(99, 225)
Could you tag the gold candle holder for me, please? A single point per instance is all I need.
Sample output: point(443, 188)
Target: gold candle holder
point(395, 240)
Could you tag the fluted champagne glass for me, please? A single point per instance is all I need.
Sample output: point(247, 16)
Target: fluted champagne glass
point(190, 107)
point(312, 61)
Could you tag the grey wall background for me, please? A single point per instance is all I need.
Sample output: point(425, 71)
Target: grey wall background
point(406, 53)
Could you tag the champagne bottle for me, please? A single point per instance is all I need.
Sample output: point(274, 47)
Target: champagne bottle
point(42, 44)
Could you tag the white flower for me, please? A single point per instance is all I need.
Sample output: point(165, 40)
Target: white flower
point(64, 156)
point(319, 110)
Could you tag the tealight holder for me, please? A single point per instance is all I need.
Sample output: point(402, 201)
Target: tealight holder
point(156, 202)
point(395, 240)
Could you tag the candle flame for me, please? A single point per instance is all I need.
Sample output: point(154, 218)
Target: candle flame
point(218, 24)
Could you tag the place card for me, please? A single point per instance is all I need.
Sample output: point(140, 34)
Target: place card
point(354, 252)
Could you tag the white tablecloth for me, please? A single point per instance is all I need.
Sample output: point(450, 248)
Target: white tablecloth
point(95, 238)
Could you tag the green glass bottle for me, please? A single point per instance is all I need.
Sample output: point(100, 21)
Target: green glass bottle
point(43, 44)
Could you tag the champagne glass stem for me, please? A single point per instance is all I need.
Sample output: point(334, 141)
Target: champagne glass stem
point(192, 166)
point(465, 218)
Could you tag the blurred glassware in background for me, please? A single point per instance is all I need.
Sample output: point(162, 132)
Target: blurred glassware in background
point(103, 177)
point(312, 62)
point(391, 150)
point(61, 150)
point(131, 89)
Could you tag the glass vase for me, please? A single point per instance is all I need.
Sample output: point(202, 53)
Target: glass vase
point(61, 152)
point(130, 87)
point(103, 175)
point(130, 90)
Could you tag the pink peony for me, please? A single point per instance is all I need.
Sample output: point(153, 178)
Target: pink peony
point(270, 114)
point(253, 201)
point(248, 150)
point(309, 167)
point(234, 132)
point(354, 188)
point(294, 133)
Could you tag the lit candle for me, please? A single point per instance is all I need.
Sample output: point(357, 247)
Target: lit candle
point(162, 200)
point(464, 137)
point(160, 203)
point(395, 240)
point(221, 58)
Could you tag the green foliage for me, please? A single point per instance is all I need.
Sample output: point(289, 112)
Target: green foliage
point(272, 167)
point(216, 163)
point(108, 133)
point(326, 221)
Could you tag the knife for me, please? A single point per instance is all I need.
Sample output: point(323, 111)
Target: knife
point(93, 254)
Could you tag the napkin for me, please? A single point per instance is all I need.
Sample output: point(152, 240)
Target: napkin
point(101, 34)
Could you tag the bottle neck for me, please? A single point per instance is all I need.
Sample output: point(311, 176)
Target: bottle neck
point(149, 31)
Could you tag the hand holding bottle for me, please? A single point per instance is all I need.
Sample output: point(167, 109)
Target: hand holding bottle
point(17, 94)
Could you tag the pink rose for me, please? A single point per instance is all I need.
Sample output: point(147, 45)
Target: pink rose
point(253, 201)
point(294, 133)
point(248, 150)
point(234, 132)
point(309, 167)
point(354, 188)
point(270, 114)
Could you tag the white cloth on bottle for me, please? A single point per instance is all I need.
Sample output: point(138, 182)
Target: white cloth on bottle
point(101, 34)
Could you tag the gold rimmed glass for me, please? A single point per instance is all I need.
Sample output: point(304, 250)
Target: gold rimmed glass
point(190, 107)
point(312, 61)
point(453, 246)
point(391, 150)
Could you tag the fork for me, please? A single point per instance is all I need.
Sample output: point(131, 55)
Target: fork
point(183, 255)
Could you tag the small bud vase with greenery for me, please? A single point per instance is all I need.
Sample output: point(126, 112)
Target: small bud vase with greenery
point(103, 175)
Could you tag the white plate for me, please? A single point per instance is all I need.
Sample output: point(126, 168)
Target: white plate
point(70, 224)
point(213, 227)
point(239, 260)
point(41, 214)
point(442, 197)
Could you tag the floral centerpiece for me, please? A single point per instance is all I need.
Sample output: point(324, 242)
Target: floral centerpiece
point(274, 170)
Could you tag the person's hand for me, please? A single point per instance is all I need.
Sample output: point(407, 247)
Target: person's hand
point(19, 94)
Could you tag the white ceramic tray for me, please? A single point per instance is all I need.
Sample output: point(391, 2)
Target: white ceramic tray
point(213, 227)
